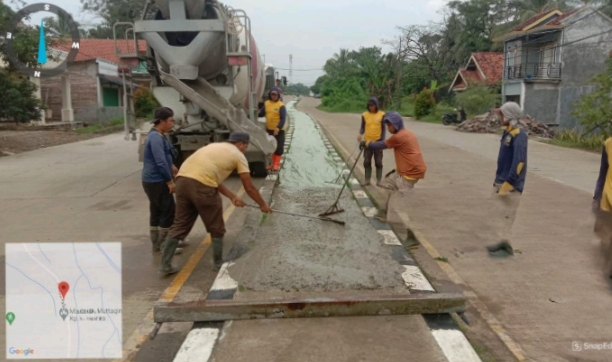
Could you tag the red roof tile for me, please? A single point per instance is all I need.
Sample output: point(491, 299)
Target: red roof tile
point(102, 49)
point(491, 64)
point(565, 15)
point(531, 20)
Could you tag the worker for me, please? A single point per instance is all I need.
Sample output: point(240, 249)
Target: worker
point(199, 187)
point(158, 174)
point(509, 177)
point(276, 115)
point(410, 165)
point(602, 206)
point(372, 129)
point(280, 90)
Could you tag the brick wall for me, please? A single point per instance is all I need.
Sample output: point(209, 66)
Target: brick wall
point(83, 84)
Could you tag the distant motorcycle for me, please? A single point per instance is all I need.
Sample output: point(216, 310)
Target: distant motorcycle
point(456, 117)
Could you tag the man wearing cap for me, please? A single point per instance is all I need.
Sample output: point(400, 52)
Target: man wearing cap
point(158, 177)
point(509, 177)
point(372, 129)
point(410, 165)
point(199, 186)
point(276, 114)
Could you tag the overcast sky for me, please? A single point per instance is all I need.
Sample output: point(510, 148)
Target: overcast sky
point(313, 30)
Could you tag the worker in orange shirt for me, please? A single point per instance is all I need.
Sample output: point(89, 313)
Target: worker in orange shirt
point(410, 165)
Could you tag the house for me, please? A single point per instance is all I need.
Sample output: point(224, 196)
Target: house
point(91, 90)
point(550, 59)
point(482, 68)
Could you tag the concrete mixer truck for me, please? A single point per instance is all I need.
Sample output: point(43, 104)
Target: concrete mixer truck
point(205, 65)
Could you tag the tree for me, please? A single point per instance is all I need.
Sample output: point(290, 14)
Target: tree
point(18, 103)
point(111, 12)
point(594, 110)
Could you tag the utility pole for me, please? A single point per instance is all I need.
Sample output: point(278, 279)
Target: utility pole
point(398, 88)
point(290, 67)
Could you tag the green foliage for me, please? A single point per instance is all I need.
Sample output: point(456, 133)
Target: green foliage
point(344, 95)
point(18, 102)
point(594, 110)
point(145, 103)
point(477, 99)
point(295, 89)
point(574, 139)
point(111, 12)
point(424, 104)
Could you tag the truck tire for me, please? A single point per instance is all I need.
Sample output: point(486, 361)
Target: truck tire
point(258, 169)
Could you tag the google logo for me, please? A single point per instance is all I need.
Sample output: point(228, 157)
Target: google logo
point(26, 352)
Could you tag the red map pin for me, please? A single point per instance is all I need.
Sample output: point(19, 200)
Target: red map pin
point(63, 288)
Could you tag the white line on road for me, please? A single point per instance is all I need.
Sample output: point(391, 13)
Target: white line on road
point(223, 281)
point(455, 346)
point(390, 237)
point(198, 345)
point(415, 280)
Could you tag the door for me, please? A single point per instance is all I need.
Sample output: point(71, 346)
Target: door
point(110, 97)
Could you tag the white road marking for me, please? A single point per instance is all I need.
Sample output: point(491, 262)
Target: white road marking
point(455, 346)
point(223, 280)
point(198, 345)
point(354, 181)
point(390, 237)
point(415, 279)
point(271, 177)
point(369, 211)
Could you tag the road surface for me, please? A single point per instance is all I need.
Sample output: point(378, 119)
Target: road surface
point(91, 191)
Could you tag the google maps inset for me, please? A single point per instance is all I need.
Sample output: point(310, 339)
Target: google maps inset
point(63, 300)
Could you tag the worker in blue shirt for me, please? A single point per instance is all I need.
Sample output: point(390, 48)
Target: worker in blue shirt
point(158, 174)
point(510, 175)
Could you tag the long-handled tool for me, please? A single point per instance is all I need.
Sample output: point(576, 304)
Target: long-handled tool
point(349, 160)
point(335, 209)
point(305, 216)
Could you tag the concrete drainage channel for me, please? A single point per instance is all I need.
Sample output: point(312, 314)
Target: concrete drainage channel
point(288, 267)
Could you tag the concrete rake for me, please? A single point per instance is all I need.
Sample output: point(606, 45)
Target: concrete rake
point(304, 216)
point(335, 209)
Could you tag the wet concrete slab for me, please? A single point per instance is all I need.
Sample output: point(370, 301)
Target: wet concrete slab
point(292, 254)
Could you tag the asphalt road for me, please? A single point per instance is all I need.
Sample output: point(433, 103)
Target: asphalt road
point(91, 192)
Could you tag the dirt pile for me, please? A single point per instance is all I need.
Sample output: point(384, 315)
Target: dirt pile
point(489, 123)
point(291, 254)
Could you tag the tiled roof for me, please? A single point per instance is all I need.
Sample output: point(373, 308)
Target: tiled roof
point(491, 64)
point(532, 20)
point(102, 49)
point(559, 20)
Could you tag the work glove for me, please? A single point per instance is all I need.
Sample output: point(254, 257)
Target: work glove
point(389, 173)
point(505, 189)
point(362, 145)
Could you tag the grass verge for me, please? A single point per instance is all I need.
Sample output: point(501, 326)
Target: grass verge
point(573, 139)
point(111, 125)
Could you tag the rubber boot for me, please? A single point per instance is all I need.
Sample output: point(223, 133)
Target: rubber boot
point(379, 175)
point(368, 176)
point(163, 233)
point(154, 233)
point(217, 244)
point(169, 247)
point(276, 159)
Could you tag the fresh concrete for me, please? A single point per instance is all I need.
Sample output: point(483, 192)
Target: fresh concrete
point(289, 253)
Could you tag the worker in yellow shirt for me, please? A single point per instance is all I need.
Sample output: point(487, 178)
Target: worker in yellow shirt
point(199, 186)
point(276, 115)
point(372, 130)
point(602, 205)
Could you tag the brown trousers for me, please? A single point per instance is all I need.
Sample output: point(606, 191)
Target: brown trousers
point(192, 199)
